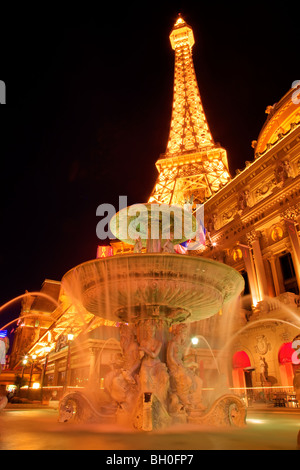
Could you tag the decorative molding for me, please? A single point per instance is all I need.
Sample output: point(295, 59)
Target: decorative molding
point(253, 236)
point(291, 213)
point(262, 345)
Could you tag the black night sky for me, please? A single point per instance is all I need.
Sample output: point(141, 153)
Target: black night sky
point(89, 95)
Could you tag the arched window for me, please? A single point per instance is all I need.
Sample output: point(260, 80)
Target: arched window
point(285, 353)
point(241, 370)
point(241, 360)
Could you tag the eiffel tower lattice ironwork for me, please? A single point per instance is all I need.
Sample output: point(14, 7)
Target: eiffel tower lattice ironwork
point(193, 165)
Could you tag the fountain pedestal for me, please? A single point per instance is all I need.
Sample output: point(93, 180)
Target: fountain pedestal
point(151, 384)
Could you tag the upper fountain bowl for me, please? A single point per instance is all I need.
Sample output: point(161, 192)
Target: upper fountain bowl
point(150, 222)
point(171, 286)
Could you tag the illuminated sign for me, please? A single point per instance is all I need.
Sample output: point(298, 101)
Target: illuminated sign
point(104, 251)
point(3, 333)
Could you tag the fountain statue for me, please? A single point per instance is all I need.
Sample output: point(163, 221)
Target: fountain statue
point(121, 383)
point(154, 293)
point(186, 385)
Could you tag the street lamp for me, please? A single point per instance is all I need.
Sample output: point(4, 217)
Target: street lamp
point(25, 361)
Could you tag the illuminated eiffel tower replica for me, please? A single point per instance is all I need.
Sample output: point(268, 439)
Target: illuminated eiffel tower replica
point(193, 167)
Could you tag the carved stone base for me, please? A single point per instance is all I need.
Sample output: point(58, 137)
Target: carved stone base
point(150, 413)
point(81, 407)
point(179, 418)
point(228, 410)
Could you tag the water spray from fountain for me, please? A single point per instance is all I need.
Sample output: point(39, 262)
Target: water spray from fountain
point(154, 294)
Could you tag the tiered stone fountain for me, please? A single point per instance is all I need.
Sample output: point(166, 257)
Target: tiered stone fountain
point(154, 293)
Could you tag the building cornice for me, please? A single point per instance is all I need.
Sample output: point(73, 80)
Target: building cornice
point(263, 212)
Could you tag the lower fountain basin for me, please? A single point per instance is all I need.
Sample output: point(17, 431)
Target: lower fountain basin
point(171, 286)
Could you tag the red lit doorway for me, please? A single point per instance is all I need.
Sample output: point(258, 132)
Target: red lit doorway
point(286, 368)
point(241, 370)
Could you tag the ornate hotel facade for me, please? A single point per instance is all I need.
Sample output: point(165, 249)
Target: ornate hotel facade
point(251, 223)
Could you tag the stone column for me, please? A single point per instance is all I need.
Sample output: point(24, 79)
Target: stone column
point(271, 289)
point(253, 239)
point(272, 261)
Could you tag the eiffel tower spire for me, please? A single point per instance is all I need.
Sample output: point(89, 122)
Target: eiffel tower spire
point(193, 165)
point(189, 129)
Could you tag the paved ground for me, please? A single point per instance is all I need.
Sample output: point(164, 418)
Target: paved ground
point(28, 428)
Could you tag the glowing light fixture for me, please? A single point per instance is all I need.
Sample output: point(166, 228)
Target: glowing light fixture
point(179, 21)
point(25, 361)
point(70, 336)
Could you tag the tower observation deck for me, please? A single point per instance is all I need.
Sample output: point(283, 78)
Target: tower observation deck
point(193, 165)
